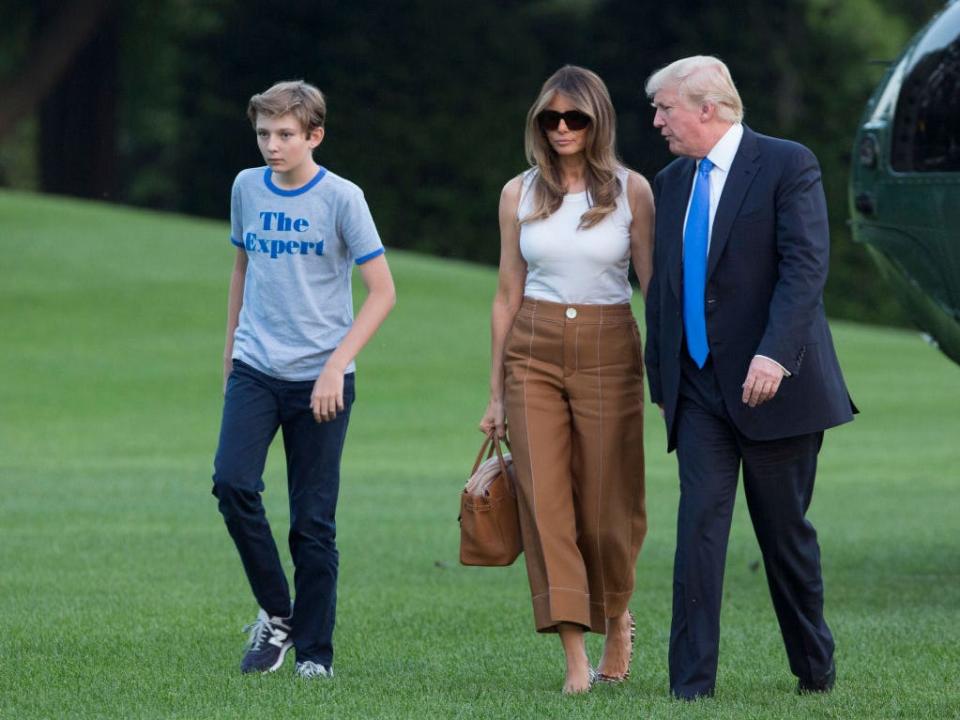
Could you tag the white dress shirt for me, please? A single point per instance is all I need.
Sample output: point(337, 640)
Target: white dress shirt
point(721, 155)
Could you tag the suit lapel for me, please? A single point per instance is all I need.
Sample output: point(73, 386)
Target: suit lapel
point(674, 214)
point(744, 168)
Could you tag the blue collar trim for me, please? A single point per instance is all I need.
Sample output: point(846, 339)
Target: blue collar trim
point(268, 181)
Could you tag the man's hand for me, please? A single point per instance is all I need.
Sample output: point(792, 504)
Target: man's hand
point(327, 398)
point(763, 381)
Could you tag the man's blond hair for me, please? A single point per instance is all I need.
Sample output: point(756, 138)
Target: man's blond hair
point(701, 79)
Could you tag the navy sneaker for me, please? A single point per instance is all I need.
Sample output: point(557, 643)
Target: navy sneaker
point(268, 644)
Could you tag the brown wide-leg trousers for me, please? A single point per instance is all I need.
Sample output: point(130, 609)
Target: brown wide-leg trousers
point(574, 403)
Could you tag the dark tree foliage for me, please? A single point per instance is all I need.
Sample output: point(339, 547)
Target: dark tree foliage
point(427, 98)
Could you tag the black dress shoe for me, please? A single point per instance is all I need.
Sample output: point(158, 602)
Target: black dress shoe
point(821, 685)
point(692, 696)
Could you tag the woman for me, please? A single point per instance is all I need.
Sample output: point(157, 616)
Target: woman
point(566, 369)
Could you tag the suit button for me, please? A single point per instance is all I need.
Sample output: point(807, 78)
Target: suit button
point(571, 313)
point(711, 301)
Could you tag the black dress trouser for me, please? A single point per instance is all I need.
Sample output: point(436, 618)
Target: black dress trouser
point(778, 478)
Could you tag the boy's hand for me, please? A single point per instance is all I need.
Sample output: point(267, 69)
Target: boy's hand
point(327, 398)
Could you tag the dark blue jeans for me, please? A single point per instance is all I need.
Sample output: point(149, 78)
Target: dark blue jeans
point(255, 407)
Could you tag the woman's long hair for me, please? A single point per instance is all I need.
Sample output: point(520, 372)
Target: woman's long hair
point(589, 95)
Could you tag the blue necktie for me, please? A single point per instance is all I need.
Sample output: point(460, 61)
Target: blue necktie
point(695, 236)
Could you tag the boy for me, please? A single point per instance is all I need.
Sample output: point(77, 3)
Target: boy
point(288, 364)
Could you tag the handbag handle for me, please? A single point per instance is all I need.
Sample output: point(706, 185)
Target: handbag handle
point(490, 445)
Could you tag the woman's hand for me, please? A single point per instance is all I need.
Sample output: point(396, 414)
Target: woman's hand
point(327, 397)
point(494, 419)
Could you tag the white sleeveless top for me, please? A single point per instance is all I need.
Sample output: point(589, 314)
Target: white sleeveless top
point(566, 264)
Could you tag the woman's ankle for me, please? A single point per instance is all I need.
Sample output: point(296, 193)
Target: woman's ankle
point(578, 664)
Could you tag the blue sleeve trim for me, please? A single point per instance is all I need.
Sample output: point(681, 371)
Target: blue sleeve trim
point(236, 242)
point(376, 253)
point(268, 181)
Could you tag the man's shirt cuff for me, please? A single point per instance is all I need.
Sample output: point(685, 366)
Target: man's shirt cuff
point(786, 373)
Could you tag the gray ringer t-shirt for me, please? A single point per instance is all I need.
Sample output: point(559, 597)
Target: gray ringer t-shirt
point(301, 245)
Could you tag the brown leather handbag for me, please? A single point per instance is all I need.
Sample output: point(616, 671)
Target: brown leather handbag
point(489, 522)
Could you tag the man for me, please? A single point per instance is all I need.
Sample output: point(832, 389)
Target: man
point(741, 362)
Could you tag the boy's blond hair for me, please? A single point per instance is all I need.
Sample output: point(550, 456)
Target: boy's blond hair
point(302, 100)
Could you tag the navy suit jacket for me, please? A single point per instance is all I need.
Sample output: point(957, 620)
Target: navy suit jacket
point(766, 269)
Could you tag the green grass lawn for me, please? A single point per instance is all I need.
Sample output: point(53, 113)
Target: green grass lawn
point(121, 594)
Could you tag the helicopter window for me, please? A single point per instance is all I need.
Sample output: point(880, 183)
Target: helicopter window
point(926, 134)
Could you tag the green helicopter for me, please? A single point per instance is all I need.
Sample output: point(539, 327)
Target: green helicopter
point(905, 179)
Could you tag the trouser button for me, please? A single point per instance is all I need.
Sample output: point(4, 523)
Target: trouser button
point(571, 313)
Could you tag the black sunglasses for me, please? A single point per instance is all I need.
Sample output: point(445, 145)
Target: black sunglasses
point(574, 119)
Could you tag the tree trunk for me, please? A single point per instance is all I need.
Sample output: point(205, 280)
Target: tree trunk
point(78, 121)
point(68, 29)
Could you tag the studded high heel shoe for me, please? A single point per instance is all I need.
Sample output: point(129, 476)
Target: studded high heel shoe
point(600, 677)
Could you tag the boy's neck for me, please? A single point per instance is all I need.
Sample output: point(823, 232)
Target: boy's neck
point(296, 177)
